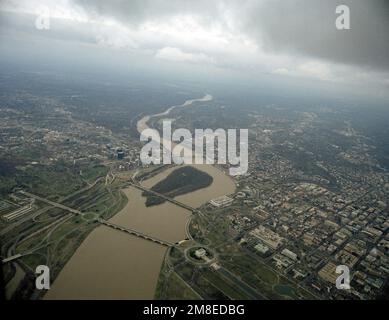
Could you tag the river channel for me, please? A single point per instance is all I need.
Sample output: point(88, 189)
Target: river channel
point(114, 265)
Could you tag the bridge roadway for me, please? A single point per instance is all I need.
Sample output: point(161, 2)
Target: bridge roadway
point(101, 221)
point(54, 204)
point(110, 225)
point(177, 203)
point(136, 233)
point(19, 255)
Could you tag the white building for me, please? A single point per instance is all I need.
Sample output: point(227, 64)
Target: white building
point(199, 253)
point(289, 254)
point(222, 201)
point(261, 248)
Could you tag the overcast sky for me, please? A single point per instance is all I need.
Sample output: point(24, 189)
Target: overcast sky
point(293, 38)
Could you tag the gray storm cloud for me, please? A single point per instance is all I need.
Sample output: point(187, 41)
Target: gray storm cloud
point(308, 27)
point(287, 38)
point(302, 27)
point(135, 12)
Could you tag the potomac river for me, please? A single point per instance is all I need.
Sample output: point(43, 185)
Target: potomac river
point(111, 264)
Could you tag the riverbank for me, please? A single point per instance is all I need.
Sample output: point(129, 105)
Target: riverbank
point(113, 265)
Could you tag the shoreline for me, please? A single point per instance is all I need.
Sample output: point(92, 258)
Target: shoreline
point(136, 263)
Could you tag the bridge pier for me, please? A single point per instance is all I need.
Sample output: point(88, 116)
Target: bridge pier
point(136, 233)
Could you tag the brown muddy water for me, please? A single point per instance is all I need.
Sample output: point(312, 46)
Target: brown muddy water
point(110, 264)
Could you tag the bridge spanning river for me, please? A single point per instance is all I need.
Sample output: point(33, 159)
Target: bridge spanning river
point(136, 233)
point(171, 200)
point(101, 221)
point(109, 224)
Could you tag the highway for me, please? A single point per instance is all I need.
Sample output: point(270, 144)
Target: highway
point(19, 255)
point(54, 204)
point(101, 221)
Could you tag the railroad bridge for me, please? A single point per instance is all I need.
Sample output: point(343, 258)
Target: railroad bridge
point(177, 203)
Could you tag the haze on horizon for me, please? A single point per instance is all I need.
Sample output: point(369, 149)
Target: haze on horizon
point(293, 41)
